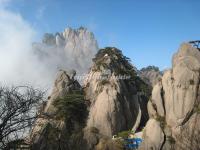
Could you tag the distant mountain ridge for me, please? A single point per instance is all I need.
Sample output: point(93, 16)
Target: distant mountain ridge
point(72, 48)
point(151, 75)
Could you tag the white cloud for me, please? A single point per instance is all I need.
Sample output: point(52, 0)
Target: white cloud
point(15, 40)
point(18, 65)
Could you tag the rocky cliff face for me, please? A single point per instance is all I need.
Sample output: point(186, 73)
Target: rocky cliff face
point(151, 75)
point(62, 116)
point(174, 106)
point(72, 48)
point(115, 99)
point(115, 93)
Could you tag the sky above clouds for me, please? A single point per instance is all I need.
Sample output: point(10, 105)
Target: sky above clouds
point(147, 31)
point(15, 41)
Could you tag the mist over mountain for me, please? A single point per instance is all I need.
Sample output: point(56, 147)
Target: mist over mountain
point(23, 62)
point(62, 90)
point(71, 49)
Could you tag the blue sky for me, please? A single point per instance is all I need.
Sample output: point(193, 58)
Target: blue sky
point(147, 31)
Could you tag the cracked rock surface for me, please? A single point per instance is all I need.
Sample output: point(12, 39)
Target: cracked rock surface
point(175, 101)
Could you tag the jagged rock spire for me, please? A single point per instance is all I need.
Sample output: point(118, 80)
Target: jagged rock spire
point(175, 104)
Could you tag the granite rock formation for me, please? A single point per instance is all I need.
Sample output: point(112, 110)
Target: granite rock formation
point(115, 93)
point(70, 49)
point(175, 104)
point(113, 99)
point(61, 117)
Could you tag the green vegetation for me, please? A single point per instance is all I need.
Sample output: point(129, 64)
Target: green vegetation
point(171, 140)
point(94, 130)
point(124, 134)
point(71, 107)
point(51, 132)
point(121, 66)
point(109, 144)
point(116, 57)
point(191, 82)
point(142, 86)
point(104, 82)
point(162, 121)
point(110, 51)
point(149, 68)
point(76, 140)
point(197, 109)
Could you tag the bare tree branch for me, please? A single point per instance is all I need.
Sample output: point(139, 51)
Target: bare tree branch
point(18, 107)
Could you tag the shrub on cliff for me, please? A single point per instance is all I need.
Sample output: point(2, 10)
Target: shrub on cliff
point(71, 108)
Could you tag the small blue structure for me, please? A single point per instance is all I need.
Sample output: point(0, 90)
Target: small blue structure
point(133, 143)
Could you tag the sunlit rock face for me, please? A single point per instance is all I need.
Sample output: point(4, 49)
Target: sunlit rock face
point(116, 104)
point(50, 132)
point(114, 99)
point(154, 136)
point(175, 101)
point(70, 49)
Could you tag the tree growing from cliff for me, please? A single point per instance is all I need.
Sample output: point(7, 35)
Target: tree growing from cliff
point(71, 108)
point(18, 107)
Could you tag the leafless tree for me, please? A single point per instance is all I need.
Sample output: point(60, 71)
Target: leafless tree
point(18, 107)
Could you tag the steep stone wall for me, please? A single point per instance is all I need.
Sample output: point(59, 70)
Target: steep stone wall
point(175, 102)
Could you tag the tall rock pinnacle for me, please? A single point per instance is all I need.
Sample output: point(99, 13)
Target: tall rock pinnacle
point(115, 103)
point(175, 104)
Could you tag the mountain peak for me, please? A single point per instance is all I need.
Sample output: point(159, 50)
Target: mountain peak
point(70, 49)
point(114, 87)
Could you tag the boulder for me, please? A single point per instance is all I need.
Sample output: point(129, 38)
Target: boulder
point(154, 136)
